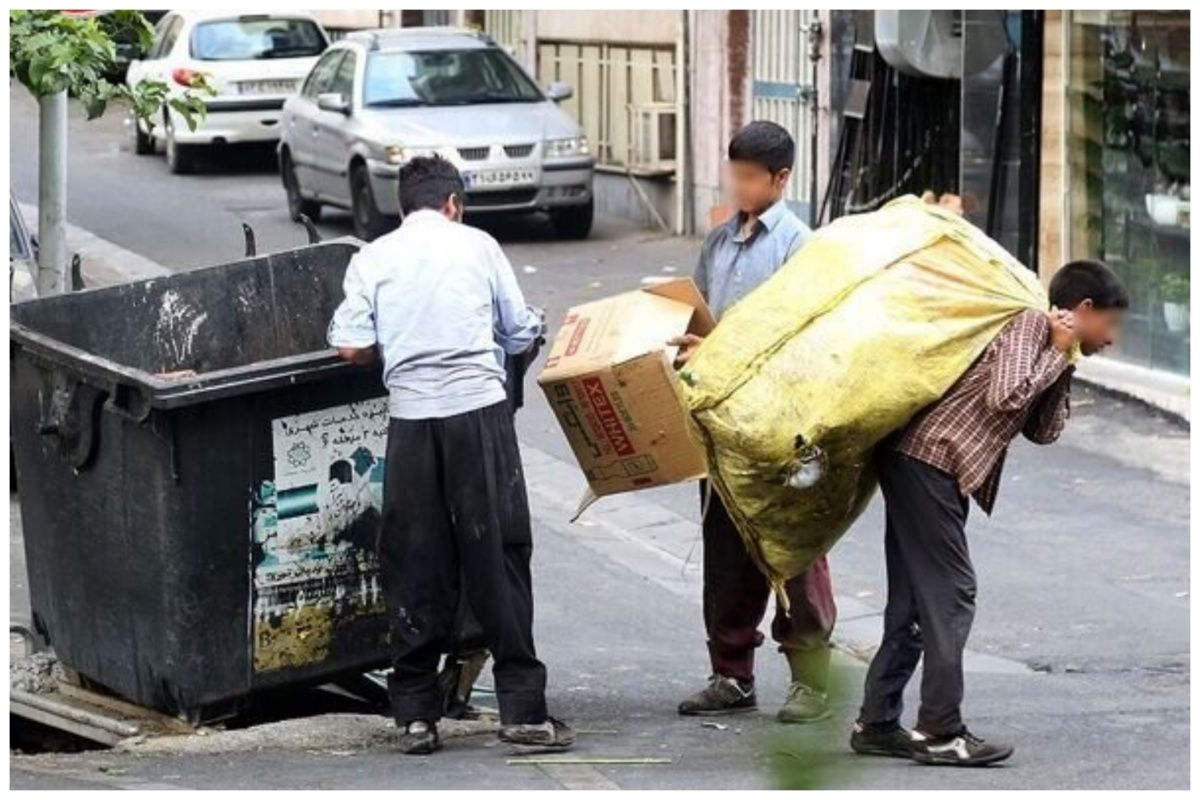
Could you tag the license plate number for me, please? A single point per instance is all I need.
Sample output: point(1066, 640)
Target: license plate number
point(267, 87)
point(499, 178)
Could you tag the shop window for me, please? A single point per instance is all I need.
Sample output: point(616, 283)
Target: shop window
point(1129, 187)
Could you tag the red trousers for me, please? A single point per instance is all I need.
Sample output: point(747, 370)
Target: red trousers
point(735, 601)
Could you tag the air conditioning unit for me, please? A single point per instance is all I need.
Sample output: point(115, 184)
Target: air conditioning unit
point(652, 137)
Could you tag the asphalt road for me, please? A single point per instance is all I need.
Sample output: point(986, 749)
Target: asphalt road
point(1081, 647)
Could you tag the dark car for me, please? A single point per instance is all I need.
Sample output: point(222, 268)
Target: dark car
point(128, 47)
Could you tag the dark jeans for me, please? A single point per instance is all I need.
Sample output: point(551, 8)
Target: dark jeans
point(931, 596)
point(736, 594)
point(456, 514)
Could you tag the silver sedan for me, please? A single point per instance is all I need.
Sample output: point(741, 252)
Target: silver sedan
point(378, 98)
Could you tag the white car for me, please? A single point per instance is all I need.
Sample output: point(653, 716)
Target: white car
point(253, 61)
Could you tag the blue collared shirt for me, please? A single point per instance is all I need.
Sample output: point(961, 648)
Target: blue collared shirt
point(732, 265)
point(440, 300)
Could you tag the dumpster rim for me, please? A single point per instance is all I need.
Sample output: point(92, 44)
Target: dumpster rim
point(162, 393)
point(108, 375)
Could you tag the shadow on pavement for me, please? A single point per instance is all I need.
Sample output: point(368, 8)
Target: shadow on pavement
point(533, 228)
point(256, 158)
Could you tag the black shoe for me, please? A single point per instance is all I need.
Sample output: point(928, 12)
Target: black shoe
point(420, 739)
point(892, 741)
point(963, 749)
point(722, 696)
point(550, 736)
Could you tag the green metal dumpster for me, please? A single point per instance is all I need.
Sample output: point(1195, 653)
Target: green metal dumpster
point(191, 540)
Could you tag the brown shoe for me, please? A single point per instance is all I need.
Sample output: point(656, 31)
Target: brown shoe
point(723, 695)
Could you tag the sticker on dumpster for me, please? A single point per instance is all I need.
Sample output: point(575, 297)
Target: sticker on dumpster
point(314, 527)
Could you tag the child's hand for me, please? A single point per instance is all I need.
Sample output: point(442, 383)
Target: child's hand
point(687, 345)
point(1063, 335)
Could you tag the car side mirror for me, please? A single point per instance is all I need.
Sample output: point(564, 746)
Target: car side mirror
point(559, 91)
point(333, 101)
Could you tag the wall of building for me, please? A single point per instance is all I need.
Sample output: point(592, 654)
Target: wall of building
point(719, 72)
point(627, 27)
point(350, 19)
point(1051, 215)
point(612, 62)
point(709, 114)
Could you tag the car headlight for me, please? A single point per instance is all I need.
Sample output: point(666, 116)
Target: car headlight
point(560, 148)
point(398, 154)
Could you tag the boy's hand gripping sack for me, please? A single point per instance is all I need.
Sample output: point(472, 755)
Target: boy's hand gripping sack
point(873, 319)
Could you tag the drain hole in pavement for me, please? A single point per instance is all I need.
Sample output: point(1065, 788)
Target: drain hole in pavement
point(27, 737)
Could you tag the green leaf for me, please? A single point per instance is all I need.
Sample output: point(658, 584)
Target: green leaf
point(94, 104)
point(50, 52)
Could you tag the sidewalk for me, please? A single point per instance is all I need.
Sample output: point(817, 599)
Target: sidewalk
point(102, 262)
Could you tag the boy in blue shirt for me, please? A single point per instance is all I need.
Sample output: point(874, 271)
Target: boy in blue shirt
point(738, 256)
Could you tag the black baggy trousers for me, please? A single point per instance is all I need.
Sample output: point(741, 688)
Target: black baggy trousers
point(455, 513)
point(931, 596)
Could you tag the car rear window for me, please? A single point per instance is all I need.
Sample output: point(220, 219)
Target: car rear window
point(250, 38)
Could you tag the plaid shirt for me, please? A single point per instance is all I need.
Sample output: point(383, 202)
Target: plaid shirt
point(1021, 384)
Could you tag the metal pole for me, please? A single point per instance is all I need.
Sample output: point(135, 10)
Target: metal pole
point(814, 54)
point(681, 123)
point(52, 194)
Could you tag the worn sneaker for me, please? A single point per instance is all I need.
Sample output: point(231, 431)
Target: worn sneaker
point(420, 739)
point(804, 704)
point(891, 741)
point(550, 736)
point(964, 749)
point(722, 696)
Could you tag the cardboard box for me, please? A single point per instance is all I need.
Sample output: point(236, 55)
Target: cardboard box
point(611, 380)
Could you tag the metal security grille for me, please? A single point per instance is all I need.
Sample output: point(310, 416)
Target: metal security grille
point(505, 28)
point(612, 83)
point(782, 87)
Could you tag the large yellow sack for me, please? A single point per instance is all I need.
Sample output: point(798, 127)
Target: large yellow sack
point(873, 319)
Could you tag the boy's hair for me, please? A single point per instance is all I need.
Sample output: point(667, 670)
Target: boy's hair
point(764, 143)
point(1077, 281)
point(428, 182)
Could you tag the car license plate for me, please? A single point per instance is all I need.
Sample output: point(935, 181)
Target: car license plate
point(499, 178)
point(278, 86)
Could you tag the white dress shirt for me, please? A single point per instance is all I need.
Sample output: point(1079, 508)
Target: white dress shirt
point(440, 300)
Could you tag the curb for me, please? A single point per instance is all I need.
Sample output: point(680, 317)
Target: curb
point(104, 263)
point(1166, 394)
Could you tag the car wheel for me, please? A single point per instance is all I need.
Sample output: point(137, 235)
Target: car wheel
point(369, 224)
point(573, 222)
point(181, 158)
point(296, 202)
point(143, 143)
